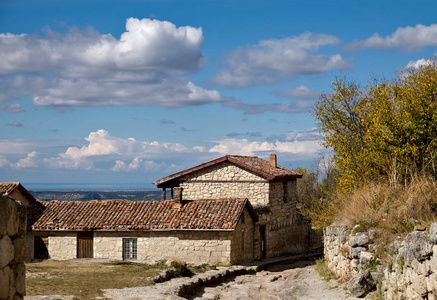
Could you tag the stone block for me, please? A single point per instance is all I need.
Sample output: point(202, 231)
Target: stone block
point(361, 283)
point(19, 249)
point(4, 282)
point(420, 267)
point(6, 251)
point(418, 284)
point(356, 251)
point(366, 258)
point(417, 246)
point(360, 239)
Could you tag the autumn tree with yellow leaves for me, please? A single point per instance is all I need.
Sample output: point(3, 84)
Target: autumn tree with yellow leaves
point(386, 131)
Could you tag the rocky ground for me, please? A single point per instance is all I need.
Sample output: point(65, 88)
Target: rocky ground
point(284, 281)
point(291, 281)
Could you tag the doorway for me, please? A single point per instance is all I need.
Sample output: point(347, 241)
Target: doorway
point(85, 244)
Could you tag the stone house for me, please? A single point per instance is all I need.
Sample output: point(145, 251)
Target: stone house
point(270, 188)
point(229, 210)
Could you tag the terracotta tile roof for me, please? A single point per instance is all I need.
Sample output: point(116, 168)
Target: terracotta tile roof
point(251, 163)
point(10, 187)
point(110, 215)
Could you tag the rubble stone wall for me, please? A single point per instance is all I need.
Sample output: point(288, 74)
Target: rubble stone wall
point(410, 272)
point(12, 248)
point(225, 180)
point(190, 246)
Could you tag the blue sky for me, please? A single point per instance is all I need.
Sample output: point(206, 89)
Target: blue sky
point(121, 93)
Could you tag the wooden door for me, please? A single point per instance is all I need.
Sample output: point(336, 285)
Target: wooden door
point(85, 244)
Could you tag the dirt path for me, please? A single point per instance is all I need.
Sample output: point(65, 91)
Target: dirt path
point(285, 282)
point(279, 282)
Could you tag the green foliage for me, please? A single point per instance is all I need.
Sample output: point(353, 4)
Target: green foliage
point(181, 269)
point(314, 191)
point(387, 131)
point(374, 263)
point(322, 269)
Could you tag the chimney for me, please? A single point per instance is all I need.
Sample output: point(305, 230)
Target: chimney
point(177, 195)
point(273, 160)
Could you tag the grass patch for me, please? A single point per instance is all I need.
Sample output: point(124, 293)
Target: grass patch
point(85, 280)
point(322, 269)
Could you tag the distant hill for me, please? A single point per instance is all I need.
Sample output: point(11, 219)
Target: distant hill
point(96, 195)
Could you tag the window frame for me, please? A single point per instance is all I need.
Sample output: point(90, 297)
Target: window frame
point(130, 249)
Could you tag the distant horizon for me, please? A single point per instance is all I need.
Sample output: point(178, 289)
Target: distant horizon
point(35, 186)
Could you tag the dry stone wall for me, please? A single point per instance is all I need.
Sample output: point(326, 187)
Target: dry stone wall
point(12, 248)
point(409, 273)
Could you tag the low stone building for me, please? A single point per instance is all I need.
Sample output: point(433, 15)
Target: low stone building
point(229, 210)
point(211, 231)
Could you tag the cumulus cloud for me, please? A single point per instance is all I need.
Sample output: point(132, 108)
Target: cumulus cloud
point(295, 146)
point(103, 152)
point(418, 63)
point(405, 38)
point(104, 147)
point(301, 92)
point(86, 68)
point(138, 163)
point(271, 61)
point(30, 161)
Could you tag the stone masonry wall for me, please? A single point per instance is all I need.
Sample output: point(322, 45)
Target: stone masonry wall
point(230, 182)
point(12, 248)
point(195, 247)
point(410, 271)
point(242, 242)
point(62, 246)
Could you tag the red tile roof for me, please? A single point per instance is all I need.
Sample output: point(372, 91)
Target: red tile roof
point(10, 187)
point(251, 163)
point(113, 215)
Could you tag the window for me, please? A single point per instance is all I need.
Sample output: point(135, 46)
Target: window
point(129, 248)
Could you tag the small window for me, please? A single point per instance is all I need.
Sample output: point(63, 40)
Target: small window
point(129, 248)
point(242, 218)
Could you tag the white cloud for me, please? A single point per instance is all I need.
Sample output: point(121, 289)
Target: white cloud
point(301, 92)
point(86, 68)
point(3, 162)
point(418, 63)
point(13, 108)
point(138, 163)
point(31, 161)
point(104, 147)
point(405, 38)
point(146, 45)
point(295, 146)
point(271, 61)
point(104, 152)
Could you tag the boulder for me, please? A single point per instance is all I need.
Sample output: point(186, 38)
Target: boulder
point(417, 246)
point(361, 283)
point(360, 239)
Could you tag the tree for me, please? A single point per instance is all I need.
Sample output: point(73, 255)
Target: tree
point(387, 131)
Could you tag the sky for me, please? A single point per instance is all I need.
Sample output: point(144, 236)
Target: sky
point(117, 94)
